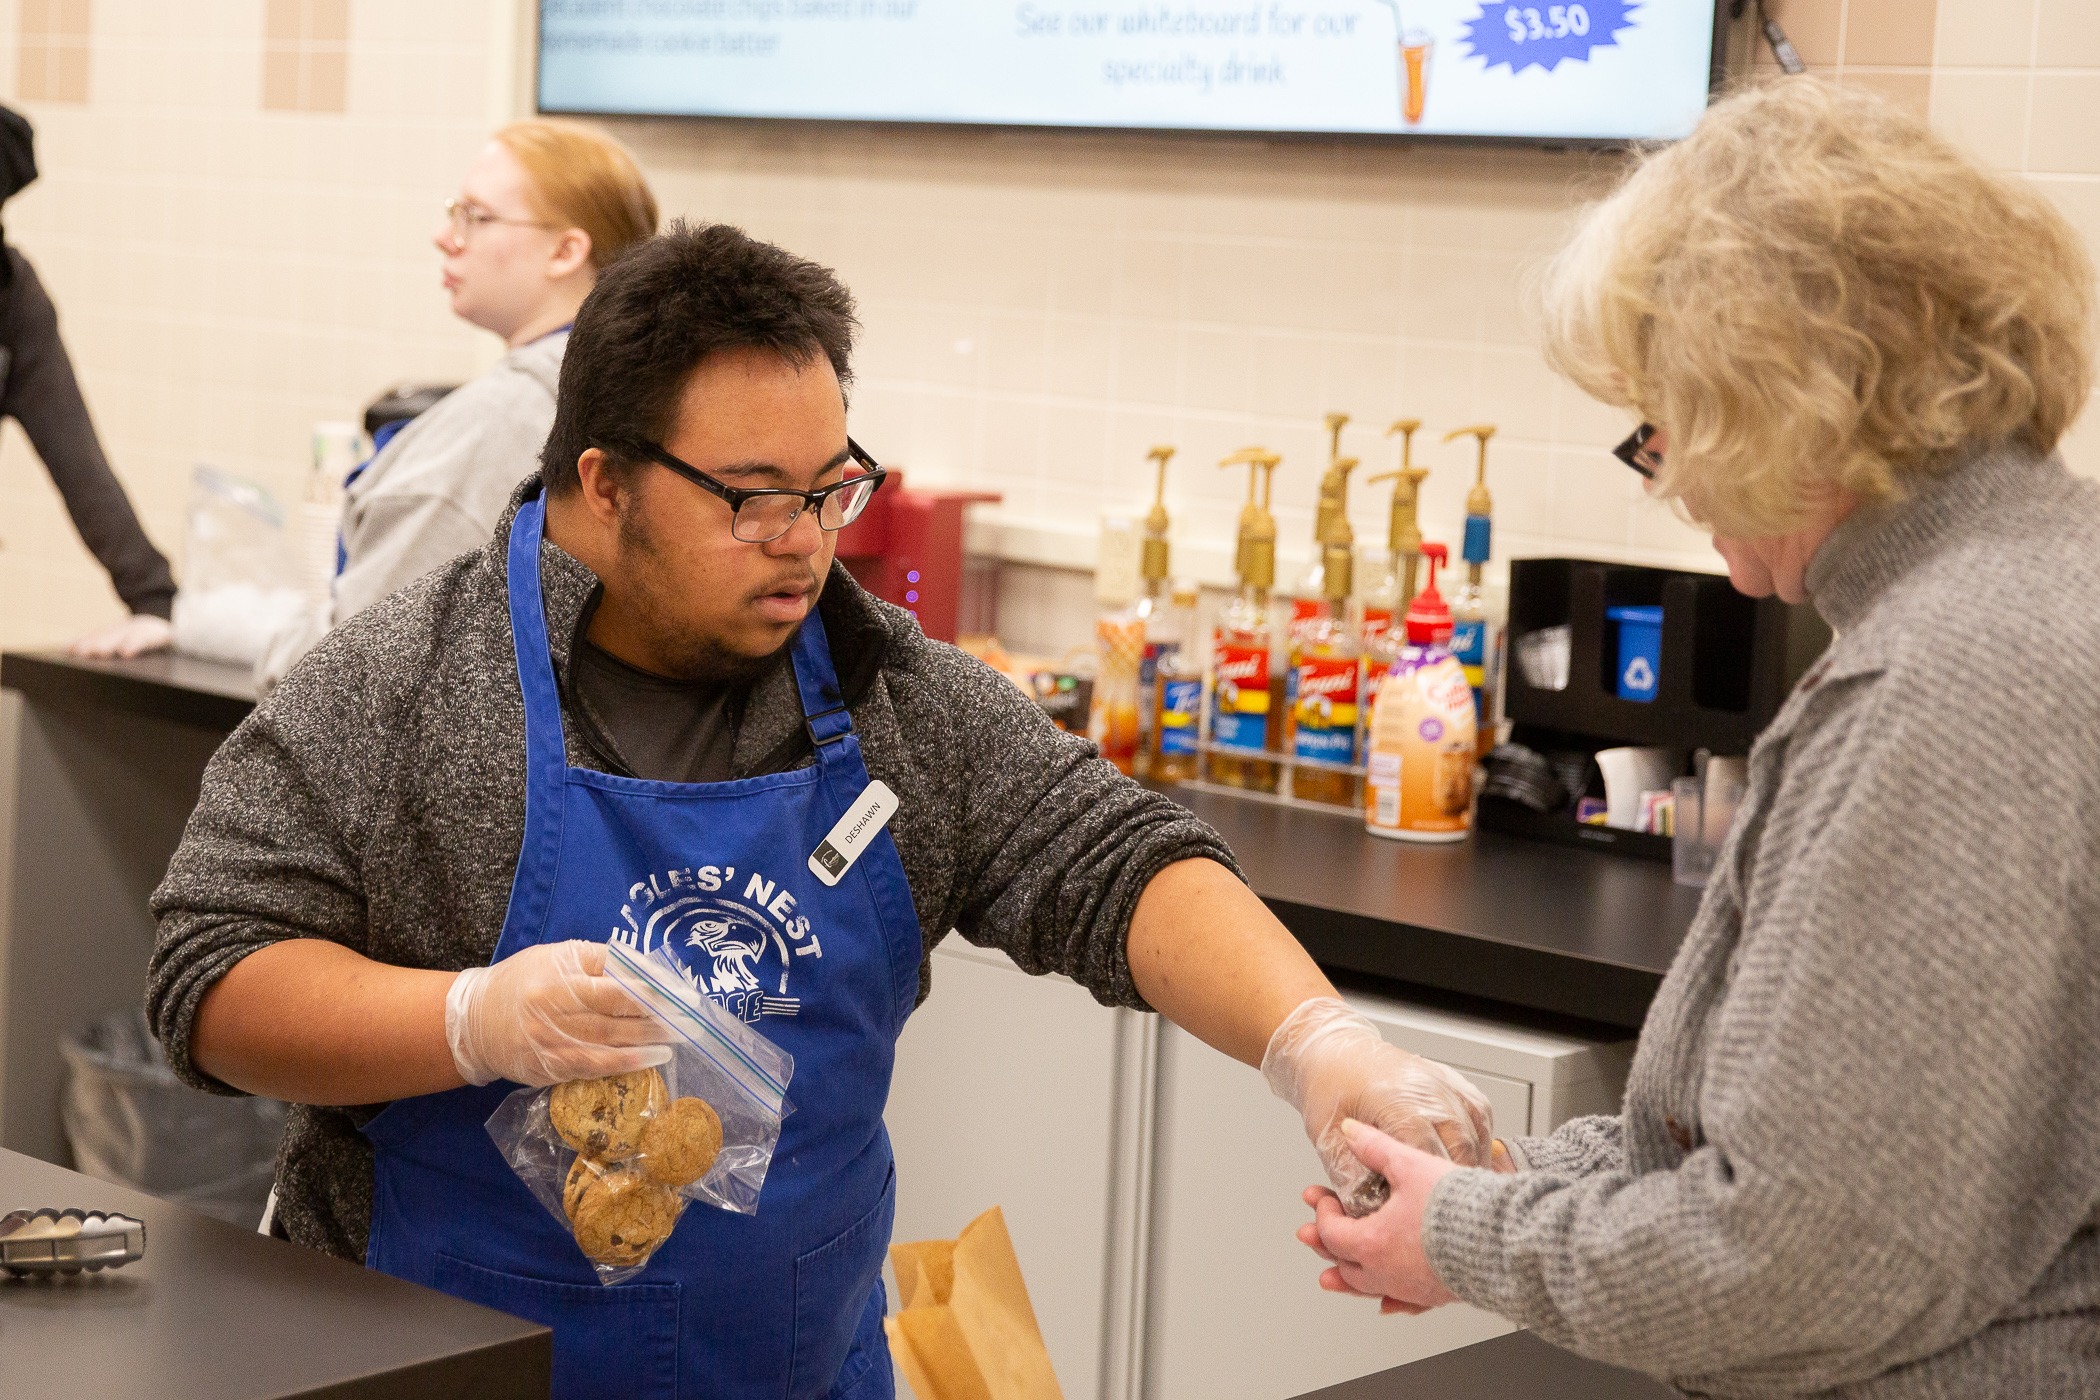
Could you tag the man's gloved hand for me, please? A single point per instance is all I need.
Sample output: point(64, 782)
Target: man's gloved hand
point(546, 1015)
point(134, 636)
point(1330, 1063)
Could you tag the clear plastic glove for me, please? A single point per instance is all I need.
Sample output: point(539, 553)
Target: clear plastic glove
point(1330, 1063)
point(546, 1015)
point(134, 636)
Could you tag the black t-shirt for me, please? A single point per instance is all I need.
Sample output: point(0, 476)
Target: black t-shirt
point(667, 730)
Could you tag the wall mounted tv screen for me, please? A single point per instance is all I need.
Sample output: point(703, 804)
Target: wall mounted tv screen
point(1587, 70)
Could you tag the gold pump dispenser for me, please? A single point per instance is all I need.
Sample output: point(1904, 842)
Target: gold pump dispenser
point(1329, 515)
point(1478, 501)
point(1246, 685)
point(1385, 633)
point(1255, 556)
point(1404, 528)
point(1338, 540)
point(1333, 482)
point(1153, 565)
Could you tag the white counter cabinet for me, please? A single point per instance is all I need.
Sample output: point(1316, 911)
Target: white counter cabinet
point(1233, 1308)
point(1012, 1091)
point(1152, 1185)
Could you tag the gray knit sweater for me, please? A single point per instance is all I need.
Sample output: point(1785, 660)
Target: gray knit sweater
point(1860, 1148)
point(377, 799)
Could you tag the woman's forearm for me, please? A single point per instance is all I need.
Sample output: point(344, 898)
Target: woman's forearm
point(310, 1021)
point(1209, 956)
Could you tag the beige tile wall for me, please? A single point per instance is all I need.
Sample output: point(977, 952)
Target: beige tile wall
point(227, 275)
point(1040, 309)
point(306, 55)
point(52, 61)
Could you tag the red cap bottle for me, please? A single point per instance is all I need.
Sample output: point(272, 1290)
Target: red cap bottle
point(1428, 619)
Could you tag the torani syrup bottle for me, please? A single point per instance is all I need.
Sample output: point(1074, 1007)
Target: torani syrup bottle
point(1328, 676)
point(1152, 608)
point(1178, 703)
point(1244, 716)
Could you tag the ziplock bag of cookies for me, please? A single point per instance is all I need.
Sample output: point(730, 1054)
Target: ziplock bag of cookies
point(616, 1159)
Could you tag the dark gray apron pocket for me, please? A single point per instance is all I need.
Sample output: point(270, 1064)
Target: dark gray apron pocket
point(617, 1343)
point(833, 1283)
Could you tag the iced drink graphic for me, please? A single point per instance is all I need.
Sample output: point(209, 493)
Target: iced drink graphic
point(1415, 47)
point(1416, 44)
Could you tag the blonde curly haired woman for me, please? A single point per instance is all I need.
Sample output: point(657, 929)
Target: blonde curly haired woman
point(1860, 1149)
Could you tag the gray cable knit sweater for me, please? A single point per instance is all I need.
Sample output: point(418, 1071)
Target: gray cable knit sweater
point(377, 799)
point(1860, 1148)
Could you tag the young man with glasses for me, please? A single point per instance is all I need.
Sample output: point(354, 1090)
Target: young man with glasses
point(654, 709)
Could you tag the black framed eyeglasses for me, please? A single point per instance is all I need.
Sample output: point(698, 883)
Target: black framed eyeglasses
point(1634, 452)
point(763, 514)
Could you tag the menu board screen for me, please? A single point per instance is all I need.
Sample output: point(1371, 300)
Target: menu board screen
point(1585, 70)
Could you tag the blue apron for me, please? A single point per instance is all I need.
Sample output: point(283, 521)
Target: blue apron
point(786, 1303)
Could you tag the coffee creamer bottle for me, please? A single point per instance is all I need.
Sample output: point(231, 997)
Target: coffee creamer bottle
point(1419, 780)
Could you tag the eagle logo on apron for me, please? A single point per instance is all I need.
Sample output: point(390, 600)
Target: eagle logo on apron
point(741, 954)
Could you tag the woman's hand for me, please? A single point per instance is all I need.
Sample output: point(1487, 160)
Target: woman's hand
point(134, 636)
point(1380, 1255)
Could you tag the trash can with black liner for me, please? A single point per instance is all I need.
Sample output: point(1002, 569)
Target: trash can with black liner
point(131, 1121)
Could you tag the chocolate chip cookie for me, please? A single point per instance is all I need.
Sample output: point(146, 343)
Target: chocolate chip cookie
point(681, 1143)
point(603, 1118)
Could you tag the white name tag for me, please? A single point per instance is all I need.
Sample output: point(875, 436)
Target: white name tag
point(868, 814)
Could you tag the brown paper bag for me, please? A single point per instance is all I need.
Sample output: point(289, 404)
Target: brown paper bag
point(964, 1329)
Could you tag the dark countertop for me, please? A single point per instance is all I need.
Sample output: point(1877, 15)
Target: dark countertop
point(216, 1311)
point(1516, 1367)
point(1551, 929)
point(165, 685)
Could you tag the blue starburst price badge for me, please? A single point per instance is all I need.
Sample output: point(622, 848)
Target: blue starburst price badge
point(1545, 36)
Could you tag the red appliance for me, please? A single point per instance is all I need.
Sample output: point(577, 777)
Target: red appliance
point(907, 549)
